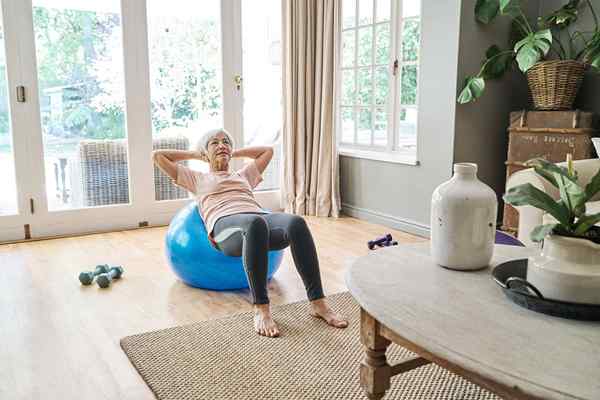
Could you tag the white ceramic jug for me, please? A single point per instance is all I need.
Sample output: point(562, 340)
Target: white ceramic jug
point(463, 220)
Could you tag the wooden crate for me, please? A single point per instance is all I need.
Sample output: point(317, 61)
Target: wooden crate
point(545, 134)
point(552, 119)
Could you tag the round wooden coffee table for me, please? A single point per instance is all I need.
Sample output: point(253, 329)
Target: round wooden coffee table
point(463, 322)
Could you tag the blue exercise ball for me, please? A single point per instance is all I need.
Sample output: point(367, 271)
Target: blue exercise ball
point(197, 263)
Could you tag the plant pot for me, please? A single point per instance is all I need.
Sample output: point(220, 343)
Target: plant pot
point(567, 269)
point(554, 84)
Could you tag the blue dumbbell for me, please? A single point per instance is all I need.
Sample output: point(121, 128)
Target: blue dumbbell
point(380, 241)
point(105, 279)
point(87, 277)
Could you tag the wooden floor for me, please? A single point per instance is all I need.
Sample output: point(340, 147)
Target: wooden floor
point(60, 340)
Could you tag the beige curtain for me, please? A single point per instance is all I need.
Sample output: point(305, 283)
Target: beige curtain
point(310, 42)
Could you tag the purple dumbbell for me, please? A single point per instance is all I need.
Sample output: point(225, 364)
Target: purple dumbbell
point(381, 241)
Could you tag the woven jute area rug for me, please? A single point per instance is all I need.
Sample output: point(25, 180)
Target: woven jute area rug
point(225, 359)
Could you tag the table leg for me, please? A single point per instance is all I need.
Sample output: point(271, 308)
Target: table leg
point(375, 372)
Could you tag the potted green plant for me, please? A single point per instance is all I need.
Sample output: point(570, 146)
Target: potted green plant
point(568, 267)
point(552, 55)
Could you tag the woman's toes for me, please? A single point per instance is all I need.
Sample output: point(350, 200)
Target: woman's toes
point(341, 323)
point(265, 326)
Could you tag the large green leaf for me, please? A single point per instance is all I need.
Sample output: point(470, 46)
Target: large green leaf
point(543, 39)
point(496, 63)
point(593, 186)
point(564, 16)
point(532, 48)
point(529, 195)
point(585, 223)
point(595, 61)
point(547, 169)
point(473, 89)
point(541, 231)
point(510, 7)
point(571, 193)
point(527, 56)
point(518, 30)
point(486, 10)
point(591, 52)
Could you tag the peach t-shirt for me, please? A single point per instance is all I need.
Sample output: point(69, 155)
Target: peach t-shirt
point(221, 193)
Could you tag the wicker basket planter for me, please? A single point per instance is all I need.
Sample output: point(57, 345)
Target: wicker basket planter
point(554, 84)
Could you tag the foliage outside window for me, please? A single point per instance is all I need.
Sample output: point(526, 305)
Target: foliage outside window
point(379, 70)
point(81, 69)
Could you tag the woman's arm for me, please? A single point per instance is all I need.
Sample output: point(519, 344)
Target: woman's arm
point(261, 154)
point(167, 160)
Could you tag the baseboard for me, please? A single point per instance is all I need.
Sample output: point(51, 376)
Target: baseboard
point(400, 224)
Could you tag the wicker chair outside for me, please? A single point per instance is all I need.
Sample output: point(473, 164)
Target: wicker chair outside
point(163, 186)
point(104, 171)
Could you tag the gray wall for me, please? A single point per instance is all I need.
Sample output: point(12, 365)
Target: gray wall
point(480, 127)
point(399, 195)
point(453, 46)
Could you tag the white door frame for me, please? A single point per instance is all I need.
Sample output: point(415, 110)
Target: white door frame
point(22, 121)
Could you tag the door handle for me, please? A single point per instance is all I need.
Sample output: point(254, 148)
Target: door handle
point(21, 94)
point(237, 79)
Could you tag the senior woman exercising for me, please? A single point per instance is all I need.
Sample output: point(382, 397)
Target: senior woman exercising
point(237, 225)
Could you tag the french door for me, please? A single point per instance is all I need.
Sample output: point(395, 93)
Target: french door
point(89, 88)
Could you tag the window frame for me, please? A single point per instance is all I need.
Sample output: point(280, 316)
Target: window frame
point(391, 152)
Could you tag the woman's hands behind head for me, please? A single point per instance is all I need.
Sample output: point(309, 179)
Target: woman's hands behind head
point(201, 155)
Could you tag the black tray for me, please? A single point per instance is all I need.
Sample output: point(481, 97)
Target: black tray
point(511, 277)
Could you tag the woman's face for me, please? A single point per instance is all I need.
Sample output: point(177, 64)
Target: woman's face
point(219, 148)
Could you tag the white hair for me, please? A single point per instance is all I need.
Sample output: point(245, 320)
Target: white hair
point(202, 144)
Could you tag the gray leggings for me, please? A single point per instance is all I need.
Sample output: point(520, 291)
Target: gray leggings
point(252, 235)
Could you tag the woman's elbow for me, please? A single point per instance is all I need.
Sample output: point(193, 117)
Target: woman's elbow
point(156, 155)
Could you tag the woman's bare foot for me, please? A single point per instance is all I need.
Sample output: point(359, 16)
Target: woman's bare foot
point(263, 321)
point(320, 309)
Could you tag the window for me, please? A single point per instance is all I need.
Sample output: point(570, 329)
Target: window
point(378, 72)
point(79, 50)
point(184, 51)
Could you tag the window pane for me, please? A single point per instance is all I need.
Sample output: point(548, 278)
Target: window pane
point(365, 118)
point(410, 40)
point(382, 44)
point(411, 8)
point(348, 93)
point(8, 198)
point(365, 12)
point(380, 128)
point(365, 46)
point(348, 46)
point(347, 125)
point(384, 10)
point(261, 51)
point(365, 86)
point(382, 85)
point(407, 133)
point(82, 103)
point(185, 78)
point(409, 85)
point(349, 14)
